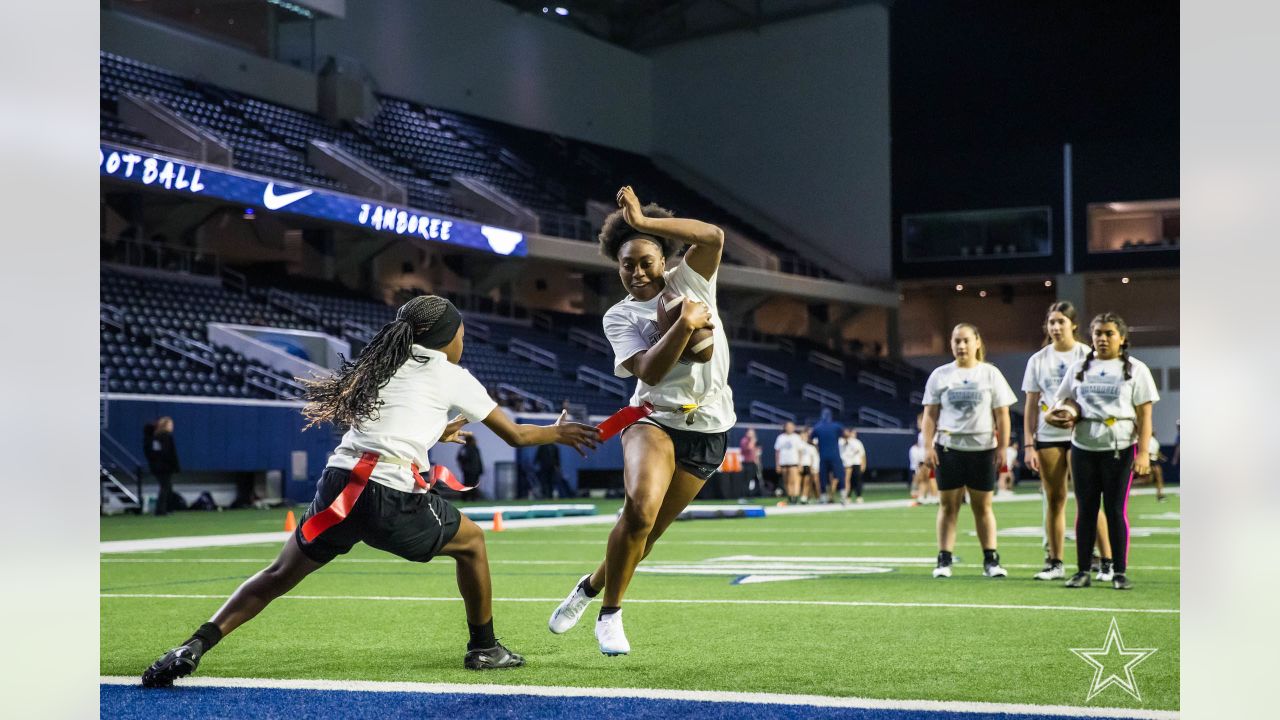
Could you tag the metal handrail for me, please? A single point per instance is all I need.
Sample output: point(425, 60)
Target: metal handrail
point(536, 399)
point(294, 304)
point(916, 397)
point(601, 381)
point(770, 375)
point(876, 382)
point(589, 341)
point(533, 353)
point(823, 397)
point(120, 448)
point(174, 342)
point(871, 416)
point(826, 362)
point(770, 413)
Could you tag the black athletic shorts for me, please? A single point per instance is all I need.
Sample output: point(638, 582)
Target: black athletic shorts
point(412, 525)
point(699, 453)
point(1060, 445)
point(974, 469)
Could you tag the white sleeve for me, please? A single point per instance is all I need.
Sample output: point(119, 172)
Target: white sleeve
point(1029, 383)
point(470, 398)
point(932, 393)
point(1001, 394)
point(1144, 386)
point(777, 443)
point(689, 282)
point(626, 340)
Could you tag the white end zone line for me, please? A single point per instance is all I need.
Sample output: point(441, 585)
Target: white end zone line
point(669, 601)
point(655, 694)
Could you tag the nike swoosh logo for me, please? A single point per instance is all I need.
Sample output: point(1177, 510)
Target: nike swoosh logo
point(272, 201)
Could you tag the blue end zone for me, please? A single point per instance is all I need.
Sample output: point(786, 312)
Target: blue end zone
point(122, 702)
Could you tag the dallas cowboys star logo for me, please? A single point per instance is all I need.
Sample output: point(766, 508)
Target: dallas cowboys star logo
point(1114, 651)
point(1102, 373)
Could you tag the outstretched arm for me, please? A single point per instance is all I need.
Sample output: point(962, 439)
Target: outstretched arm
point(707, 240)
point(575, 435)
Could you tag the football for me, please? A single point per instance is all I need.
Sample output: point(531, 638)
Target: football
point(701, 342)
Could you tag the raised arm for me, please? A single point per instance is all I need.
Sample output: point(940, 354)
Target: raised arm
point(707, 240)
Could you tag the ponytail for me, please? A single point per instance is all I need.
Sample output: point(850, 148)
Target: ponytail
point(1124, 355)
point(351, 395)
point(1085, 365)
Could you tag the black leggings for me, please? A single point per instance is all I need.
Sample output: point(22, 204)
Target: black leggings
point(855, 480)
point(1102, 478)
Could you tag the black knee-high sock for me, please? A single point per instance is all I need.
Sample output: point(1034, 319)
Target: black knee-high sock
point(1088, 474)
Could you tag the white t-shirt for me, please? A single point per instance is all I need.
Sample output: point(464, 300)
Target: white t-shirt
point(812, 457)
point(1153, 448)
point(1105, 394)
point(418, 401)
point(915, 456)
point(1010, 457)
point(967, 396)
point(852, 452)
point(1045, 371)
point(632, 327)
point(788, 448)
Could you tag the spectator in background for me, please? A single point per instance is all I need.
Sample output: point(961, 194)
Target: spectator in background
point(854, 456)
point(470, 462)
point(162, 459)
point(550, 477)
point(810, 461)
point(787, 449)
point(750, 450)
point(830, 466)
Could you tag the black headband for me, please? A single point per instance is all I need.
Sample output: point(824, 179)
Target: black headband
point(442, 330)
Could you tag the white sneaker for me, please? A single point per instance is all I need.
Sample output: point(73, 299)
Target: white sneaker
point(1051, 572)
point(994, 570)
point(613, 641)
point(569, 612)
point(942, 571)
point(1106, 572)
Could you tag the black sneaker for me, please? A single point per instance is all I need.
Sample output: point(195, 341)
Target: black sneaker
point(1120, 582)
point(494, 658)
point(1079, 580)
point(178, 662)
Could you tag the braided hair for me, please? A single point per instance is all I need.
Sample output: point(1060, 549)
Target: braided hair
point(351, 395)
point(1121, 327)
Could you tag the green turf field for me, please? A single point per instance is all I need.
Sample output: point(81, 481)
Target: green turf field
point(371, 616)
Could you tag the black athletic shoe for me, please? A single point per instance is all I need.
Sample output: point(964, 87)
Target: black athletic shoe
point(178, 662)
point(1120, 582)
point(494, 658)
point(1079, 580)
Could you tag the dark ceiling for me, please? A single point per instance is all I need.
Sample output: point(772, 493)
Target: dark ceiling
point(641, 25)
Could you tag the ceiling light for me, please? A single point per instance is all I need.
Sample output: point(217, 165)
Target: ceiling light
point(1048, 283)
point(982, 293)
point(959, 288)
point(1124, 280)
point(562, 11)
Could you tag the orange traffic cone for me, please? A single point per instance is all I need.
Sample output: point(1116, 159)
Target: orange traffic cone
point(497, 522)
point(290, 523)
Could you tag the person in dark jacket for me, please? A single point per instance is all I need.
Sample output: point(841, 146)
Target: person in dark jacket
point(162, 459)
point(550, 476)
point(471, 463)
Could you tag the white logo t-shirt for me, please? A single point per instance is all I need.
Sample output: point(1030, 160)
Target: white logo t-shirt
point(788, 447)
point(632, 327)
point(1045, 371)
point(851, 452)
point(1108, 403)
point(967, 396)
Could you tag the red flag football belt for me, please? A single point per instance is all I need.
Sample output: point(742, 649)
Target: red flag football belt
point(622, 419)
point(341, 505)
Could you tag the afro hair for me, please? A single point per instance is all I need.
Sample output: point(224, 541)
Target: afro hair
point(616, 231)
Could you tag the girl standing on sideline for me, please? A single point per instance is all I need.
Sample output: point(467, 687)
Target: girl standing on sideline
point(395, 398)
point(1106, 400)
point(668, 456)
point(786, 460)
point(966, 429)
point(1047, 447)
point(854, 457)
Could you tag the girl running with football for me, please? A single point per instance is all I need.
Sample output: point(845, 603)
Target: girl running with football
point(669, 455)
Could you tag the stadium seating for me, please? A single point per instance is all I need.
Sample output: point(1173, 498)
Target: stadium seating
point(422, 148)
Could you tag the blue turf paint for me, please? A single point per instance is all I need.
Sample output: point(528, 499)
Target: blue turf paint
point(122, 702)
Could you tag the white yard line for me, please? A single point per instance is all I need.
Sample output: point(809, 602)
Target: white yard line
point(697, 601)
point(659, 694)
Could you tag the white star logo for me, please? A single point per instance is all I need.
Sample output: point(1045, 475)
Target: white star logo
point(1097, 657)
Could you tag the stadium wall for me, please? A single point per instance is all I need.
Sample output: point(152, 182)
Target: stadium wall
point(807, 102)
